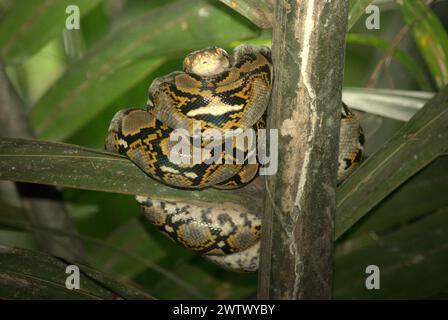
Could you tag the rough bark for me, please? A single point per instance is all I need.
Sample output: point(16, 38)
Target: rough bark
point(298, 226)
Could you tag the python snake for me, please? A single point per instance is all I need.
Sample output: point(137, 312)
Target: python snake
point(223, 94)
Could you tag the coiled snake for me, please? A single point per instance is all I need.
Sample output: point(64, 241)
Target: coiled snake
point(223, 94)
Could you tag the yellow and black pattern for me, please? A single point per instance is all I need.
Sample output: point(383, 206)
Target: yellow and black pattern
point(236, 98)
point(351, 144)
point(210, 229)
point(224, 93)
point(146, 141)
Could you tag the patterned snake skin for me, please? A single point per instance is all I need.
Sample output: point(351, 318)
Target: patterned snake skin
point(225, 94)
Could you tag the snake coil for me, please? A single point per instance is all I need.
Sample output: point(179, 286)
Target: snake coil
point(225, 94)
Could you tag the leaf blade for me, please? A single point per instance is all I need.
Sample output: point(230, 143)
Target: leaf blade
point(34, 23)
point(261, 12)
point(357, 9)
point(116, 63)
point(416, 144)
point(393, 104)
point(405, 59)
point(26, 274)
point(71, 166)
point(430, 36)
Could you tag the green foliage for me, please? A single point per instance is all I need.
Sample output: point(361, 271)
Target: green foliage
point(430, 36)
point(32, 275)
point(411, 65)
point(124, 57)
point(70, 166)
point(357, 8)
point(398, 159)
point(30, 24)
point(393, 210)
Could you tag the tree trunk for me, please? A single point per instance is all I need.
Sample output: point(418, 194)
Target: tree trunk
point(298, 225)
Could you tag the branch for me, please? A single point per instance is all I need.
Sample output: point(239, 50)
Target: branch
point(297, 236)
point(261, 12)
point(66, 165)
point(258, 11)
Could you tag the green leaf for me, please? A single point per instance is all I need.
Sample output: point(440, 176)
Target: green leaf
point(92, 133)
point(140, 261)
point(398, 160)
point(383, 172)
point(414, 69)
point(55, 116)
point(430, 36)
point(31, 275)
point(357, 9)
point(415, 145)
point(16, 238)
point(30, 24)
point(76, 167)
point(134, 238)
point(260, 12)
point(212, 281)
point(422, 194)
point(393, 104)
point(412, 262)
point(127, 55)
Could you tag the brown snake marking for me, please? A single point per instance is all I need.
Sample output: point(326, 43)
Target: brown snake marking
point(223, 92)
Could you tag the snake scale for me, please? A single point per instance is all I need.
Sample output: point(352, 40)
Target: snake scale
point(223, 93)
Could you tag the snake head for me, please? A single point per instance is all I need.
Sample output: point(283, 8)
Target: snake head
point(207, 62)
